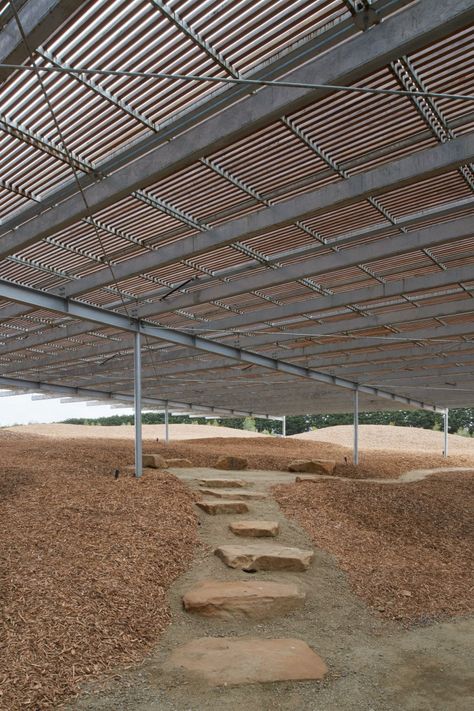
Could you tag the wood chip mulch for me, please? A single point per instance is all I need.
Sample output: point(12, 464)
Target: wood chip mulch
point(274, 454)
point(85, 564)
point(407, 549)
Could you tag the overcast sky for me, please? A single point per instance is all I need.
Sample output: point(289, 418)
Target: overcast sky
point(21, 410)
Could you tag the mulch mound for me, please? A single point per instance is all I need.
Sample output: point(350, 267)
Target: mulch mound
point(85, 564)
point(275, 453)
point(407, 548)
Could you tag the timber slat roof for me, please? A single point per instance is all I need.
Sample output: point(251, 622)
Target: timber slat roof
point(335, 233)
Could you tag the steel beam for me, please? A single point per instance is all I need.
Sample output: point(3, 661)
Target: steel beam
point(39, 19)
point(58, 390)
point(410, 220)
point(435, 373)
point(352, 362)
point(406, 170)
point(362, 254)
point(407, 30)
point(380, 292)
point(322, 40)
point(354, 349)
point(107, 318)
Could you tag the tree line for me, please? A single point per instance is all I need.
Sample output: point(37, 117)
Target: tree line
point(461, 421)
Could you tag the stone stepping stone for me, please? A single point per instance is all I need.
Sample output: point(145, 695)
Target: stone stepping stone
point(232, 494)
point(312, 478)
point(231, 463)
point(153, 461)
point(226, 661)
point(222, 507)
point(224, 483)
point(178, 463)
point(313, 466)
point(255, 529)
point(265, 557)
point(251, 599)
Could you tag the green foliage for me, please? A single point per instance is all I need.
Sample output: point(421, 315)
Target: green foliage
point(249, 424)
point(461, 419)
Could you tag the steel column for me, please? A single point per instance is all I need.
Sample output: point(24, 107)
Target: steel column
point(138, 404)
point(167, 434)
point(356, 426)
point(446, 420)
point(283, 426)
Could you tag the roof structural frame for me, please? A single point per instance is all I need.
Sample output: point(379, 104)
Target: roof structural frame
point(124, 323)
point(427, 237)
point(39, 19)
point(267, 244)
point(406, 170)
point(87, 393)
point(342, 65)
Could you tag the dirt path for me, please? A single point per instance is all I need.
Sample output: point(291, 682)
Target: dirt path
point(373, 665)
point(277, 477)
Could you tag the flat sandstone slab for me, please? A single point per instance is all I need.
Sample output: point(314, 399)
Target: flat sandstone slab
point(153, 461)
point(265, 557)
point(255, 529)
point(231, 661)
point(231, 494)
point(222, 507)
point(312, 466)
point(224, 483)
point(231, 463)
point(251, 599)
point(177, 463)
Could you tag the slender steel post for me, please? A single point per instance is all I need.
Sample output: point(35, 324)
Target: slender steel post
point(283, 426)
point(167, 432)
point(356, 427)
point(446, 421)
point(138, 404)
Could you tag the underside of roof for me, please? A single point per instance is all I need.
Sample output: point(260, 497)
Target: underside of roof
point(278, 246)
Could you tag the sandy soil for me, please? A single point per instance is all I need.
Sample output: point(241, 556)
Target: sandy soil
point(386, 437)
point(373, 663)
point(177, 432)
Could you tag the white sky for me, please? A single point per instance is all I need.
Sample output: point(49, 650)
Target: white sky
point(21, 409)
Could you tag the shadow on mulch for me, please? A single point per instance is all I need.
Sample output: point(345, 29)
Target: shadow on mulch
point(86, 561)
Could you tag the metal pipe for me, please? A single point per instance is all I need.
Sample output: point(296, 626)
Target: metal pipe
point(283, 426)
point(138, 404)
point(446, 421)
point(166, 423)
point(356, 426)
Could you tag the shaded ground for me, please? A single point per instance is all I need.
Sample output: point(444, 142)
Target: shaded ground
point(272, 453)
point(407, 549)
point(86, 562)
point(263, 452)
point(374, 664)
point(85, 565)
